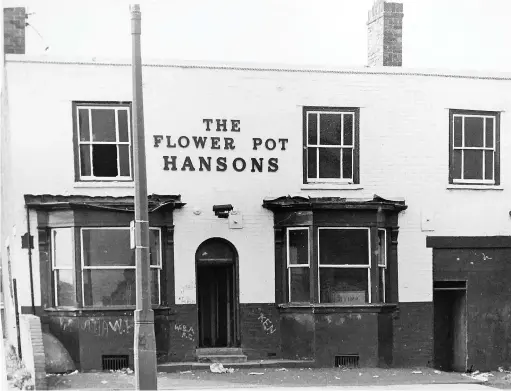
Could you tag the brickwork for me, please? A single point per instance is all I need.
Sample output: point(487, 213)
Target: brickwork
point(260, 331)
point(33, 349)
point(385, 34)
point(413, 335)
point(14, 30)
point(183, 333)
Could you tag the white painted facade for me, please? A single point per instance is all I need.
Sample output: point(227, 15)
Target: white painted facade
point(404, 145)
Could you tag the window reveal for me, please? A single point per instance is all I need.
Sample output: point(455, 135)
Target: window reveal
point(331, 145)
point(474, 147)
point(344, 265)
point(108, 267)
point(298, 264)
point(104, 142)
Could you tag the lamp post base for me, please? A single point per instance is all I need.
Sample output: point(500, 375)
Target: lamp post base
point(145, 351)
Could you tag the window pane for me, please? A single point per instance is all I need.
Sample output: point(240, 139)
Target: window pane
point(215, 249)
point(472, 164)
point(104, 160)
point(312, 162)
point(103, 125)
point(330, 129)
point(347, 163)
point(343, 247)
point(66, 292)
point(300, 285)
point(107, 247)
point(154, 247)
point(298, 247)
point(489, 132)
point(344, 286)
point(109, 287)
point(348, 129)
point(457, 131)
point(63, 248)
point(122, 122)
point(488, 165)
point(329, 162)
point(382, 288)
point(473, 131)
point(381, 249)
point(312, 128)
point(124, 160)
point(83, 123)
point(85, 160)
point(154, 281)
point(456, 164)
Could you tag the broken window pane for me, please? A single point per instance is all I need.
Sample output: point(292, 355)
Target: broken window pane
point(62, 246)
point(103, 125)
point(472, 164)
point(104, 160)
point(298, 249)
point(329, 162)
point(343, 286)
point(474, 132)
point(299, 284)
point(330, 129)
point(343, 247)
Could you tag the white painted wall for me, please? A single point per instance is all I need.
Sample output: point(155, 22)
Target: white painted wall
point(403, 143)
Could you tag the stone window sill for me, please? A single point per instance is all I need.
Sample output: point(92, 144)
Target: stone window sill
point(331, 186)
point(474, 187)
point(126, 309)
point(335, 308)
point(105, 185)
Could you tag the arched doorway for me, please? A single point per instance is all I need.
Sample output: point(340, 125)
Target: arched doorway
point(217, 293)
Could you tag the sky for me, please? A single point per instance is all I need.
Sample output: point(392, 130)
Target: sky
point(439, 34)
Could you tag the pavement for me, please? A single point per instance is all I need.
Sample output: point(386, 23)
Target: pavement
point(306, 379)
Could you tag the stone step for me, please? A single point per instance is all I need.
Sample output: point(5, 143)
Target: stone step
point(218, 351)
point(222, 358)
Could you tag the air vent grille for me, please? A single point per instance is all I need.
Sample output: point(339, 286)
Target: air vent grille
point(114, 362)
point(347, 361)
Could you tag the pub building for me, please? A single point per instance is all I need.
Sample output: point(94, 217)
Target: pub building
point(355, 217)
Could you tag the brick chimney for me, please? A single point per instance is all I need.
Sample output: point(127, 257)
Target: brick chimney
point(14, 30)
point(385, 34)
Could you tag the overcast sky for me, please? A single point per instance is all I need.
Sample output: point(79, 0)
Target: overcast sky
point(454, 34)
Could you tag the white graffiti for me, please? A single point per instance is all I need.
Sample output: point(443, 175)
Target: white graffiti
point(103, 328)
point(485, 257)
point(186, 331)
point(267, 324)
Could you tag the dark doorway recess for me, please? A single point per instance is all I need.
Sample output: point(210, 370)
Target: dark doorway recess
point(450, 325)
point(217, 294)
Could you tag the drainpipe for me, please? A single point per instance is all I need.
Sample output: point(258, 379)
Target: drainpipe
point(30, 262)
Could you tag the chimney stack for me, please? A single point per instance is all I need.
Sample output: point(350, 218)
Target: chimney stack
point(14, 30)
point(385, 34)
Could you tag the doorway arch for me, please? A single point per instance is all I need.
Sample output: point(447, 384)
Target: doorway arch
point(216, 270)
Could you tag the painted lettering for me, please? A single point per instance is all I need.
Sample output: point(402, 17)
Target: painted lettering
point(270, 144)
point(257, 142)
point(183, 141)
point(188, 164)
point(204, 163)
point(229, 143)
point(157, 140)
point(221, 164)
point(215, 142)
point(207, 121)
point(283, 142)
point(257, 164)
point(236, 166)
point(273, 164)
point(235, 123)
point(169, 144)
point(169, 161)
point(221, 125)
point(199, 141)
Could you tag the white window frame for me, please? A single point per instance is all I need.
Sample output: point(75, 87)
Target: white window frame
point(152, 267)
point(384, 264)
point(301, 265)
point(116, 109)
point(341, 147)
point(347, 266)
point(55, 268)
point(483, 148)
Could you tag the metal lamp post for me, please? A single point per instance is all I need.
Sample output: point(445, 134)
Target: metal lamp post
point(144, 338)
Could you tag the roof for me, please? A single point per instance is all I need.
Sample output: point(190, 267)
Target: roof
point(289, 68)
point(315, 203)
point(118, 204)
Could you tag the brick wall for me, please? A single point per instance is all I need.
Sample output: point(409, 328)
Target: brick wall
point(32, 349)
point(14, 30)
point(260, 331)
point(385, 33)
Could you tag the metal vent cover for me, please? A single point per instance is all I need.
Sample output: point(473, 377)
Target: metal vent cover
point(347, 361)
point(114, 362)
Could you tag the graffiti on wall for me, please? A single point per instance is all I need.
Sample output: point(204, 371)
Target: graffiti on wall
point(185, 331)
point(187, 294)
point(267, 324)
point(105, 328)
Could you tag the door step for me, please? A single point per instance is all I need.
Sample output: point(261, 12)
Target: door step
point(220, 355)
